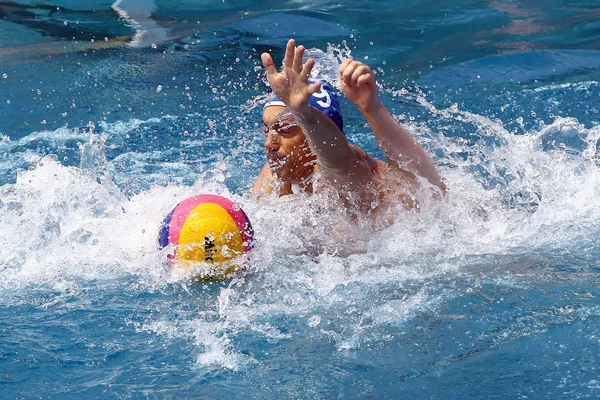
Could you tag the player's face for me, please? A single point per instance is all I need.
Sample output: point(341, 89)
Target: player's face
point(288, 153)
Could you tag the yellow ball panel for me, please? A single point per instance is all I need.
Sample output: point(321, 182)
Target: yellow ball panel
point(209, 234)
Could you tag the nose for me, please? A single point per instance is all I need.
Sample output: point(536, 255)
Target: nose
point(271, 142)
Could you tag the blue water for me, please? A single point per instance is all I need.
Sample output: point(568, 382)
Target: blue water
point(110, 114)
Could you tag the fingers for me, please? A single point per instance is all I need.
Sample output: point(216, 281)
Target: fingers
point(290, 51)
point(292, 59)
point(345, 63)
point(346, 74)
point(352, 71)
point(310, 63)
point(315, 87)
point(297, 66)
point(365, 79)
point(268, 63)
point(359, 72)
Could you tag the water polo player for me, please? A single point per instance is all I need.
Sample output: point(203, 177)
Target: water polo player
point(308, 151)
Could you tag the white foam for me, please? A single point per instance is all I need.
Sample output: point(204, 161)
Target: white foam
point(60, 224)
point(62, 227)
point(214, 347)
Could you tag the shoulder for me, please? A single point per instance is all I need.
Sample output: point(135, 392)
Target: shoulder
point(398, 178)
point(266, 184)
point(374, 165)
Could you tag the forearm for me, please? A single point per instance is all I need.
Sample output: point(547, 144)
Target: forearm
point(325, 139)
point(400, 148)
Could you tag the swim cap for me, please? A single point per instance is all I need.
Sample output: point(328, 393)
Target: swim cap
point(324, 100)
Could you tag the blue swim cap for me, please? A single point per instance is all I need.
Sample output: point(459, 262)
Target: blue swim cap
point(325, 100)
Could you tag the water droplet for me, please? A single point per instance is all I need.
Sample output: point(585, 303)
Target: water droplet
point(65, 22)
point(314, 321)
point(225, 251)
point(214, 90)
point(153, 45)
point(5, 75)
point(159, 88)
point(235, 207)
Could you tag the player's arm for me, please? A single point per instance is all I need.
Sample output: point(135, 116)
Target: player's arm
point(400, 148)
point(336, 158)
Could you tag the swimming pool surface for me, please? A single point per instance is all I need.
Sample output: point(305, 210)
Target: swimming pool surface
point(112, 113)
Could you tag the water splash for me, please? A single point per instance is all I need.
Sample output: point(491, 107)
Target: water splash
point(93, 155)
point(511, 197)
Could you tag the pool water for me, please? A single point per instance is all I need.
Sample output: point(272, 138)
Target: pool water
point(112, 113)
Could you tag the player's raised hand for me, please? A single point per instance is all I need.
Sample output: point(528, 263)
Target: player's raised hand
point(359, 86)
point(290, 84)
